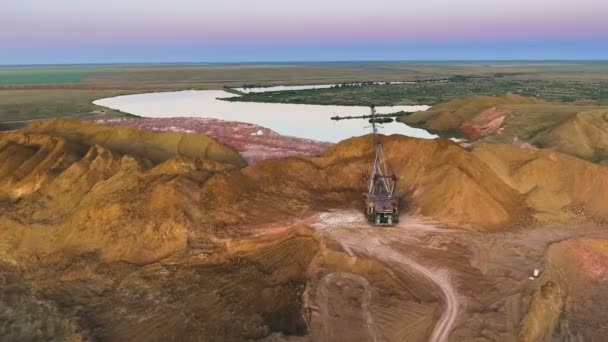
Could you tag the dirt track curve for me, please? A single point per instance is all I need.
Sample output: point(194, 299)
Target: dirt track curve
point(375, 243)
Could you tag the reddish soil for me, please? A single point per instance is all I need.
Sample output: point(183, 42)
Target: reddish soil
point(593, 262)
point(253, 142)
point(488, 122)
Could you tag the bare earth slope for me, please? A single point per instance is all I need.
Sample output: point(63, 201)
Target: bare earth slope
point(559, 187)
point(576, 129)
point(451, 115)
point(567, 301)
point(88, 219)
point(584, 135)
point(137, 142)
point(438, 178)
point(64, 176)
point(252, 141)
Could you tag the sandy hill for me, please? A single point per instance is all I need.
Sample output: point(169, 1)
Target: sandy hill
point(59, 173)
point(58, 179)
point(84, 206)
point(450, 116)
point(137, 142)
point(575, 129)
point(62, 172)
point(584, 134)
point(438, 179)
point(559, 187)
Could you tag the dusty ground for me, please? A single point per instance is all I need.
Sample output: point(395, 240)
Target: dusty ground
point(418, 281)
point(423, 281)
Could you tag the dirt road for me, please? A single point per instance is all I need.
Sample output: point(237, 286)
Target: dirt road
point(357, 238)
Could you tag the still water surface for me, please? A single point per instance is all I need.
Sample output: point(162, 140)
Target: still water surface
point(299, 120)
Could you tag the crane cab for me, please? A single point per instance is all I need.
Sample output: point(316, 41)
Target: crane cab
point(381, 208)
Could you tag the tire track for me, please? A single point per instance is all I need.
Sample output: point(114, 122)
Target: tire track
point(356, 237)
point(366, 300)
point(375, 248)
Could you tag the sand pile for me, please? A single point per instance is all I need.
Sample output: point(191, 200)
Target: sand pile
point(138, 143)
point(88, 173)
point(560, 188)
point(450, 116)
point(253, 142)
point(437, 179)
point(89, 223)
point(77, 181)
point(575, 129)
point(584, 135)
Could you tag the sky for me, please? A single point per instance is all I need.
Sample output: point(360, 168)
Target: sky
point(150, 31)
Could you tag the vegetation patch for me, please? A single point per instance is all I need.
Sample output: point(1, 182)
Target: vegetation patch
point(36, 76)
point(435, 91)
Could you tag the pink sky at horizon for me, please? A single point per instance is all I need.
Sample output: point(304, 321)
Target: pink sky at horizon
point(112, 21)
point(115, 24)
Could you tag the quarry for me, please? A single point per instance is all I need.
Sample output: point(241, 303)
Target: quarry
point(303, 171)
point(145, 229)
point(223, 203)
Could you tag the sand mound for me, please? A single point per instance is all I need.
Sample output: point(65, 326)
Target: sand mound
point(28, 160)
point(58, 180)
point(137, 142)
point(253, 142)
point(63, 172)
point(442, 180)
point(584, 135)
point(90, 223)
point(450, 116)
point(437, 178)
point(578, 130)
point(559, 187)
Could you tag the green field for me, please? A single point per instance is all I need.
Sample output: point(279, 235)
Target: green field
point(20, 106)
point(40, 78)
point(432, 93)
point(235, 75)
point(41, 92)
point(41, 75)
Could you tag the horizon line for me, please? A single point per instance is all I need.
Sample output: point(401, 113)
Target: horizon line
point(295, 62)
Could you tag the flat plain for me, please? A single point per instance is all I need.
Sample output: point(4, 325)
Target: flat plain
point(38, 92)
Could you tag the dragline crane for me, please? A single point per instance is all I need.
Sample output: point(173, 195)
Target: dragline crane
point(381, 201)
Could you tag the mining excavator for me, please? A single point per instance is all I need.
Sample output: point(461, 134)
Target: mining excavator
point(381, 202)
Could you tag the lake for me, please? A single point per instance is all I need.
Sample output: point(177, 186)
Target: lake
point(299, 120)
